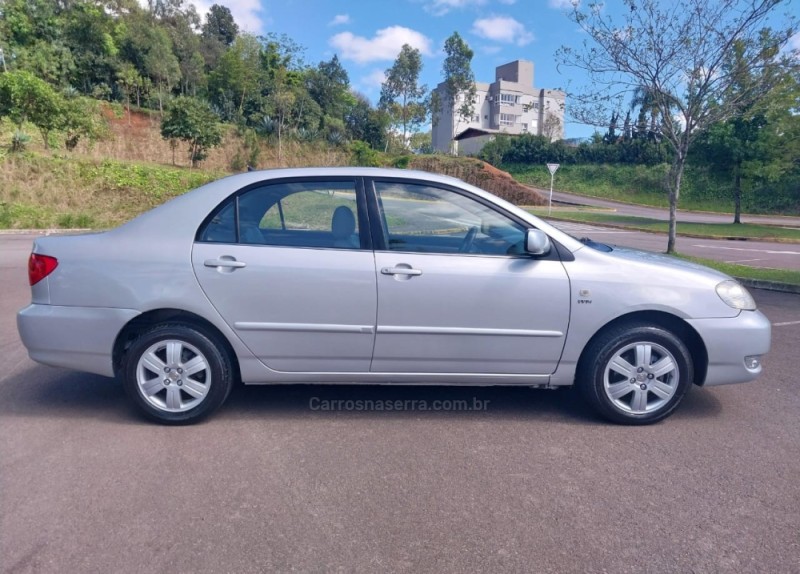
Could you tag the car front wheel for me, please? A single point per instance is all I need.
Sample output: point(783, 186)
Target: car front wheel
point(176, 374)
point(636, 374)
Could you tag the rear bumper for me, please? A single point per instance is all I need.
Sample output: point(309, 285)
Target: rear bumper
point(80, 338)
point(729, 341)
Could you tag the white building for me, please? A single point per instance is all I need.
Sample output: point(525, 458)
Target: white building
point(508, 105)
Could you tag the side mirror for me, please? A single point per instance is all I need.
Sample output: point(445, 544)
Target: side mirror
point(537, 242)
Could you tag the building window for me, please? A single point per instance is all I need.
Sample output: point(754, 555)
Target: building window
point(509, 99)
point(507, 119)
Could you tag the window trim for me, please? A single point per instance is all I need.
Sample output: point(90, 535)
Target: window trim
point(364, 226)
point(378, 222)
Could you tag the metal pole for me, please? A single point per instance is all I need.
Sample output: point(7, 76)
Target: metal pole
point(550, 203)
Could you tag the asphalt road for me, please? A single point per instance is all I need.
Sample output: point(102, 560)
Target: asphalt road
point(534, 483)
point(751, 253)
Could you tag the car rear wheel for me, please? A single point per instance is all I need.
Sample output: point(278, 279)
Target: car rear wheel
point(177, 374)
point(635, 374)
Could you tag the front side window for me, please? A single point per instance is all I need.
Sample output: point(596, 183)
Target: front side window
point(423, 218)
point(294, 214)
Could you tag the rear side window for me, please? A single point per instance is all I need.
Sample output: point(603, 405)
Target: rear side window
point(222, 227)
point(293, 214)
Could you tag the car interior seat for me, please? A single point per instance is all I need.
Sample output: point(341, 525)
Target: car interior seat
point(343, 227)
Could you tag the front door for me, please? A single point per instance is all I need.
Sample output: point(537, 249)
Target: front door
point(456, 291)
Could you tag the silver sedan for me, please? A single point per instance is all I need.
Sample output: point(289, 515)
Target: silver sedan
point(360, 275)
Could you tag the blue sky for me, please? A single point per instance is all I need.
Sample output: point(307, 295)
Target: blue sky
point(368, 34)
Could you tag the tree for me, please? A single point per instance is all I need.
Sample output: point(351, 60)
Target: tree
point(220, 25)
point(401, 94)
point(755, 145)
point(458, 96)
point(191, 120)
point(364, 123)
point(162, 65)
point(328, 84)
point(24, 97)
point(238, 76)
point(82, 119)
point(677, 51)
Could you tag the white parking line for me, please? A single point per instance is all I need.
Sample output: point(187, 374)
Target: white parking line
point(769, 251)
point(786, 324)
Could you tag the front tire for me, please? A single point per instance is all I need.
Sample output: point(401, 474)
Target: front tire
point(635, 374)
point(177, 374)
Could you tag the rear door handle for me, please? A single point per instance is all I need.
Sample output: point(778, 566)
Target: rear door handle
point(223, 262)
point(400, 271)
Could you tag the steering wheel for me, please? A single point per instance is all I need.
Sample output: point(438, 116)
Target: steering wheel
point(469, 239)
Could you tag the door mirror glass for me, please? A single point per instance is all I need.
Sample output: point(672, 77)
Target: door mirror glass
point(537, 242)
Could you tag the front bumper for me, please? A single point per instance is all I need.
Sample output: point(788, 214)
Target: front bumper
point(80, 338)
point(729, 341)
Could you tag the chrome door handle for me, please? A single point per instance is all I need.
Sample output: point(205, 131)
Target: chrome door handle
point(400, 271)
point(231, 263)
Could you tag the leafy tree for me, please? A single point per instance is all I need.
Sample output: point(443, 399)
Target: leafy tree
point(753, 146)
point(401, 94)
point(459, 84)
point(89, 35)
point(678, 53)
point(24, 97)
point(162, 65)
point(191, 120)
point(220, 25)
point(365, 123)
point(81, 118)
point(328, 84)
point(239, 74)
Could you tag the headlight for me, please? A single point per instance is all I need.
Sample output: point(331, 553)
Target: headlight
point(736, 296)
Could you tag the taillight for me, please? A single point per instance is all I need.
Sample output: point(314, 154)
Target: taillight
point(40, 266)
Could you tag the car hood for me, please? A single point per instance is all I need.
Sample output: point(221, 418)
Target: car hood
point(664, 260)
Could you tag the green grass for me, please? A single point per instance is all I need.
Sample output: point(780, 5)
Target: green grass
point(42, 191)
point(708, 230)
point(786, 276)
point(644, 185)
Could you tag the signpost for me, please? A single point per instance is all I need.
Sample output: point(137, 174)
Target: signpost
point(552, 167)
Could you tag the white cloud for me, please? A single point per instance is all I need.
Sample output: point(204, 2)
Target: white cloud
point(340, 19)
point(563, 4)
point(373, 80)
point(502, 29)
point(385, 45)
point(246, 13)
point(794, 42)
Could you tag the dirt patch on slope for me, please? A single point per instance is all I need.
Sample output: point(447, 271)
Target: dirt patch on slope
point(480, 174)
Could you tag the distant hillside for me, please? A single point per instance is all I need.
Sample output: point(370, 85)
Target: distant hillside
point(108, 182)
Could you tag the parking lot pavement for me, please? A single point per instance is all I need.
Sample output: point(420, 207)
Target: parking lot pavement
point(750, 253)
point(533, 482)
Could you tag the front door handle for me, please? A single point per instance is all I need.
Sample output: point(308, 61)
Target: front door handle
point(400, 271)
point(225, 261)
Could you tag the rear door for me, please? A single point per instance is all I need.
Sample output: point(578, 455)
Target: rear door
point(289, 266)
point(456, 291)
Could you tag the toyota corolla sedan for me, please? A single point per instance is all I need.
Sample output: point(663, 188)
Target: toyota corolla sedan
point(361, 275)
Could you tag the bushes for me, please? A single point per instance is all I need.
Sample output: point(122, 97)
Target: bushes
point(531, 149)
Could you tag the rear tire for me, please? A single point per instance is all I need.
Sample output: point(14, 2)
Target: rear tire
point(635, 374)
point(177, 374)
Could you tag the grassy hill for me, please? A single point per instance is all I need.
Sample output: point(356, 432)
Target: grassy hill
point(108, 182)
